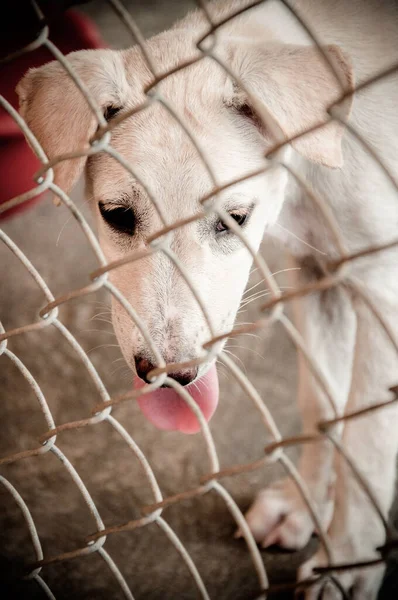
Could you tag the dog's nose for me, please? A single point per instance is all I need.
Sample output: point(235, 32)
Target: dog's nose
point(183, 377)
point(143, 366)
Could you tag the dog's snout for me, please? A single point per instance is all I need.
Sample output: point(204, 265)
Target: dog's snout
point(184, 377)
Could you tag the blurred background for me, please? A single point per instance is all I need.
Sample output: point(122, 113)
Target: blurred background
point(54, 243)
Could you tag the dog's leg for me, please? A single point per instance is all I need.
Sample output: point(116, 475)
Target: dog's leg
point(371, 441)
point(327, 323)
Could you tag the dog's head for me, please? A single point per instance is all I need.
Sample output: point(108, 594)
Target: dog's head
point(290, 84)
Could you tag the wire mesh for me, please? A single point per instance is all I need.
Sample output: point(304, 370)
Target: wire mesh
point(336, 273)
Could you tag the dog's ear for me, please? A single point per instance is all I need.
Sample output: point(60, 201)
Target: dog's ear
point(294, 86)
point(59, 115)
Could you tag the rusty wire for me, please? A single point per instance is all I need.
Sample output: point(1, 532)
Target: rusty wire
point(336, 274)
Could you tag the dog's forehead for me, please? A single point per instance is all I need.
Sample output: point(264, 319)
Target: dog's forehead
point(163, 157)
point(175, 68)
point(156, 140)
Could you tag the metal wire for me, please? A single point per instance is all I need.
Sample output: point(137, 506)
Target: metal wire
point(336, 274)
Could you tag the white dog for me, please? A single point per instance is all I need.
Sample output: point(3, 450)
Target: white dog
point(284, 73)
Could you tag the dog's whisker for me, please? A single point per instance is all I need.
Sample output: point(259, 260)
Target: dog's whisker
point(252, 335)
point(248, 350)
point(252, 287)
point(236, 357)
point(118, 368)
point(251, 300)
point(273, 274)
point(259, 295)
point(255, 295)
point(102, 320)
point(222, 369)
point(285, 270)
point(103, 346)
point(99, 304)
point(197, 386)
point(118, 359)
point(62, 229)
point(99, 331)
point(282, 287)
point(126, 374)
point(101, 315)
point(300, 240)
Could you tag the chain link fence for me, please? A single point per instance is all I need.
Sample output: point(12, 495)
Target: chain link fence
point(335, 273)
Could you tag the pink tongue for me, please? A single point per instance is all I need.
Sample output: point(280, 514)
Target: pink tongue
point(167, 410)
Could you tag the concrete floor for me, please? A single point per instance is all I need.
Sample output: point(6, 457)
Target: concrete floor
point(151, 566)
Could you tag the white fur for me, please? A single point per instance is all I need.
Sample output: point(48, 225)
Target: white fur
point(291, 85)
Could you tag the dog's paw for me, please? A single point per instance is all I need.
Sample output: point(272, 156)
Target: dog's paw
point(356, 584)
point(280, 516)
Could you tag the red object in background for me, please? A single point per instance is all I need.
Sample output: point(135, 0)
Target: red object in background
point(17, 161)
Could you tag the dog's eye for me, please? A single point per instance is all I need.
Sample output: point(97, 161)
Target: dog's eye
point(120, 218)
point(110, 112)
point(239, 218)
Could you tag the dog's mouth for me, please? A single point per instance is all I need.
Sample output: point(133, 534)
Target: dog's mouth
point(167, 410)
